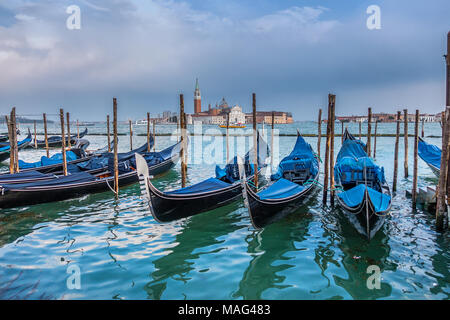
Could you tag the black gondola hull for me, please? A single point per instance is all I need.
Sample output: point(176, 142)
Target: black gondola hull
point(6, 154)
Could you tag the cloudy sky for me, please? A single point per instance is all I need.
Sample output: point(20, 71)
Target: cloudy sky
point(291, 53)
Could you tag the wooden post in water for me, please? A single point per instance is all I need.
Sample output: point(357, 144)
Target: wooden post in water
point(342, 132)
point(405, 132)
point(69, 143)
point(227, 137)
point(116, 156)
point(108, 133)
point(416, 145)
point(271, 142)
point(447, 60)
point(360, 124)
point(319, 131)
point(441, 189)
point(13, 150)
point(78, 130)
point(45, 135)
point(255, 140)
point(327, 157)
point(397, 138)
point(11, 143)
point(131, 135)
point(369, 132)
point(332, 102)
point(148, 132)
point(154, 135)
point(375, 140)
point(35, 134)
point(183, 150)
point(63, 147)
point(423, 131)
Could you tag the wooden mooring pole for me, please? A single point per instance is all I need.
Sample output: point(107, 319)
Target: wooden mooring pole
point(131, 135)
point(397, 138)
point(69, 143)
point(63, 141)
point(271, 142)
point(227, 137)
point(35, 134)
point(327, 157)
point(332, 102)
point(342, 132)
point(108, 133)
point(116, 156)
point(360, 124)
point(148, 132)
point(375, 140)
point(441, 189)
point(78, 130)
point(319, 132)
point(369, 132)
point(423, 131)
point(45, 135)
point(255, 140)
point(416, 145)
point(154, 135)
point(183, 148)
point(405, 132)
point(13, 149)
point(11, 142)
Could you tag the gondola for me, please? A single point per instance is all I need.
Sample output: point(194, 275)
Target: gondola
point(431, 154)
point(361, 188)
point(56, 141)
point(92, 164)
point(4, 138)
point(294, 184)
point(204, 196)
point(4, 151)
point(81, 183)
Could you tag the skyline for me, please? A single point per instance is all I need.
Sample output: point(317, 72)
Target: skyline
point(290, 53)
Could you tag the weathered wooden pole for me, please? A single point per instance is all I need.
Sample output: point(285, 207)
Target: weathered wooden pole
point(13, 149)
point(35, 134)
point(441, 189)
point(447, 59)
point(369, 132)
point(78, 130)
point(375, 140)
point(11, 143)
point(423, 131)
point(116, 156)
point(45, 135)
point(416, 145)
point(148, 132)
point(360, 124)
point(183, 150)
point(332, 102)
point(271, 142)
point(397, 138)
point(227, 137)
point(327, 157)
point(342, 132)
point(154, 135)
point(319, 131)
point(131, 135)
point(405, 132)
point(108, 133)
point(63, 147)
point(69, 143)
point(255, 140)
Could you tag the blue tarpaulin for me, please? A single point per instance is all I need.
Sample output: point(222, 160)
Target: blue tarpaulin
point(301, 158)
point(60, 180)
point(210, 184)
point(24, 175)
point(280, 189)
point(6, 148)
point(429, 153)
point(45, 161)
point(355, 196)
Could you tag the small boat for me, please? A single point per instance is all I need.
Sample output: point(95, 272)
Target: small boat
point(84, 182)
point(56, 141)
point(5, 151)
point(294, 183)
point(431, 154)
point(233, 126)
point(361, 188)
point(204, 196)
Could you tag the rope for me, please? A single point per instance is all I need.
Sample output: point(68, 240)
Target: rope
point(114, 191)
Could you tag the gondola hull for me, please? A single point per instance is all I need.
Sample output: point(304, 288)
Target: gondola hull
point(4, 155)
point(363, 217)
point(58, 141)
point(264, 212)
point(166, 208)
point(36, 195)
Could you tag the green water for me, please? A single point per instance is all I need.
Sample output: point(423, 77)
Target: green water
point(314, 253)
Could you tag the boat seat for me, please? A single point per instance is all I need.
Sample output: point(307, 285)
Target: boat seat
point(297, 176)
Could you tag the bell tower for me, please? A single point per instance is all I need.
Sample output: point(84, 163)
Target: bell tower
point(197, 98)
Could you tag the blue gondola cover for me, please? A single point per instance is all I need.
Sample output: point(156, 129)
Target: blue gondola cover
point(429, 153)
point(60, 180)
point(45, 161)
point(210, 184)
point(281, 189)
point(355, 196)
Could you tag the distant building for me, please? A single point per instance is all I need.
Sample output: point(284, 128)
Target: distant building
point(266, 117)
point(197, 99)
